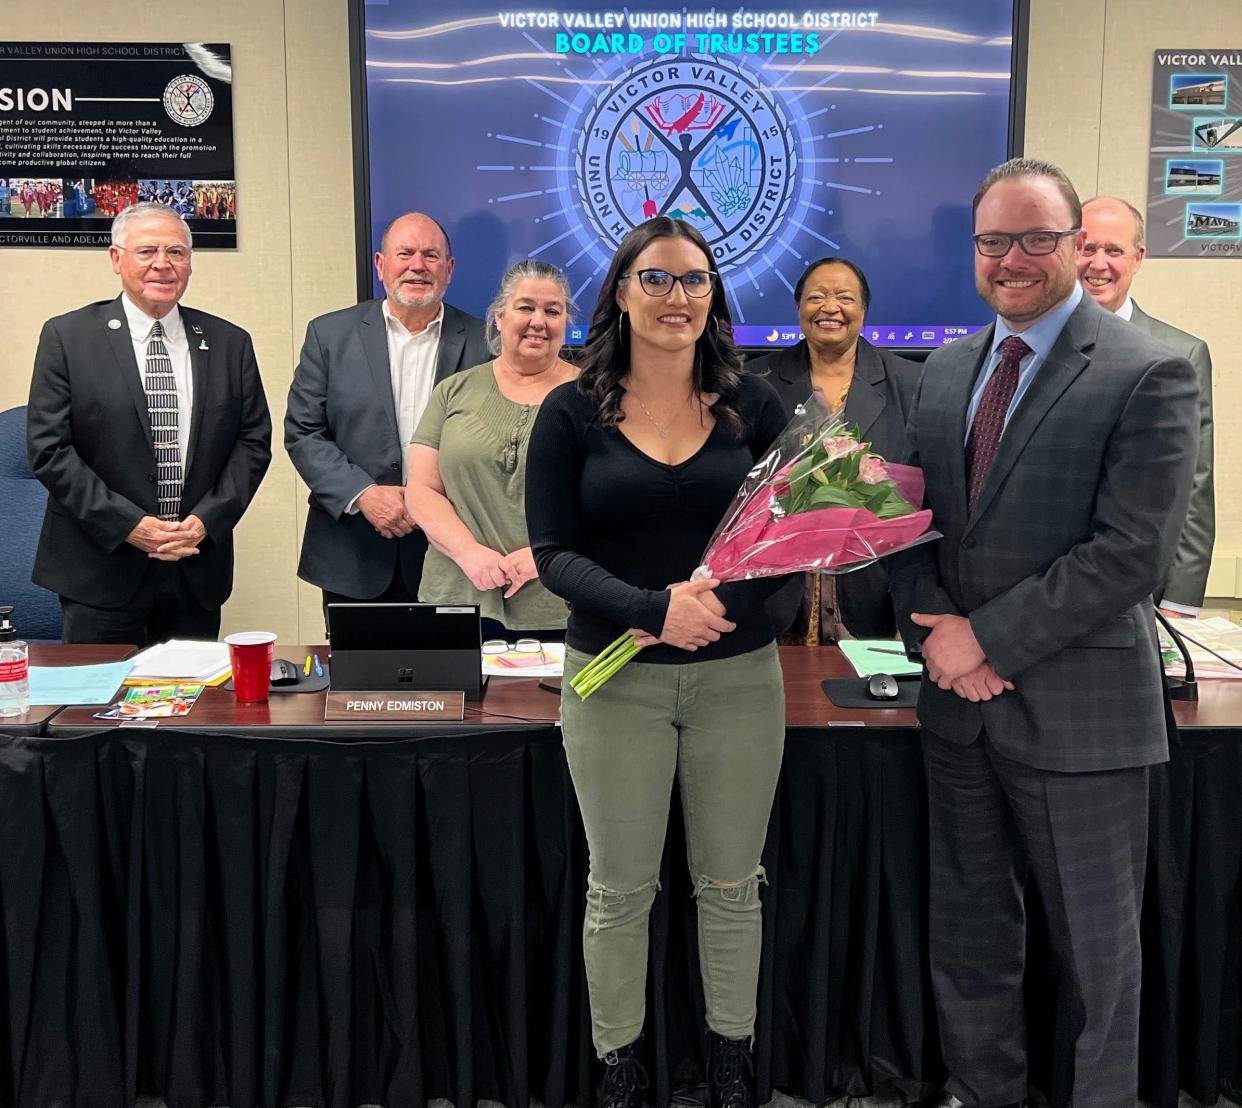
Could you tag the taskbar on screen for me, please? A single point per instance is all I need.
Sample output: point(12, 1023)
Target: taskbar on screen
point(753, 336)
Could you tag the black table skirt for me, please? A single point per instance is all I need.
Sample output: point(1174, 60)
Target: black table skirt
point(223, 920)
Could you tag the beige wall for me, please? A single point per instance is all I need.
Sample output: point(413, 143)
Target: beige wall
point(1087, 110)
point(295, 256)
point(1087, 96)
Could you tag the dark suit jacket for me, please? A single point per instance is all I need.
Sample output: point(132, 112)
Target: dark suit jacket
point(341, 434)
point(1187, 580)
point(1074, 529)
point(878, 403)
point(89, 440)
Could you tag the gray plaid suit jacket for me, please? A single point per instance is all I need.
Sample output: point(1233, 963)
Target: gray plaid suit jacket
point(1187, 580)
point(1074, 530)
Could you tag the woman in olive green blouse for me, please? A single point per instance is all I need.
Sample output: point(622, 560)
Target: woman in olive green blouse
point(467, 474)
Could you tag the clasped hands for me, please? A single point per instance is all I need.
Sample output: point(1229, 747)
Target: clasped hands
point(168, 540)
point(695, 617)
point(956, 661)
point(384, 509)
point(490, 569)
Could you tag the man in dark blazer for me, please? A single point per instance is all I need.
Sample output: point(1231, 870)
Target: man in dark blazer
point(1110, 258)
point(148, 425)
point(359, 390)
point(1058, 449)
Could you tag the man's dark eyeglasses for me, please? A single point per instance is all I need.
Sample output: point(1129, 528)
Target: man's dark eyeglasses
point(996, 244)
point(659, 282)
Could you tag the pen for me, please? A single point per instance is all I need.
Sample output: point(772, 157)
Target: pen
point(306, 667)
point(883, 650)
point(318, 667)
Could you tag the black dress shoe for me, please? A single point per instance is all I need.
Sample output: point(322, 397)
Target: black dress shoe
point(624, 1080)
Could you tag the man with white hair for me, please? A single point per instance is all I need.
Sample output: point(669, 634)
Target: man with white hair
point(148, 425)
point(360, 387)
point(1107, 265)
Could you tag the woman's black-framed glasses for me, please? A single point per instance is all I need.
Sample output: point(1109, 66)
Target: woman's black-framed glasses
point(659, 282)
point(996, 244)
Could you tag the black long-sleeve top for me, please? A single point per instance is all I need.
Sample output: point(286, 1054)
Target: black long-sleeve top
point(611, 527)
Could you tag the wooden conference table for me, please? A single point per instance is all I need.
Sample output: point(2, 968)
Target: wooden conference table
point(511, 700)
point(248, 906)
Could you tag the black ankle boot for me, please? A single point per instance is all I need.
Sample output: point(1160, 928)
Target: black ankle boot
point(624, 1080)
point(730, 1073)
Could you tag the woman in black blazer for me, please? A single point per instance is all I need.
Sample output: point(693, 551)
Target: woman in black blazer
point(873, 390)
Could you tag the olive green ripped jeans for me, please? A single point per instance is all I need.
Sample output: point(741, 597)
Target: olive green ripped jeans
point(718, 727)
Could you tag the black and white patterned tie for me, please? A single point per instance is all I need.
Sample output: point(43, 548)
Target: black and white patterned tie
point(161, 389)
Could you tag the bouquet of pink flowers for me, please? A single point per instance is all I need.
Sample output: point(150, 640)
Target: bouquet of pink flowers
point(819, 500)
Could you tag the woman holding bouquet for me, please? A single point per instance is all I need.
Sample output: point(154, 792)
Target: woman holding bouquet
point(872, 390)
point(630, 469)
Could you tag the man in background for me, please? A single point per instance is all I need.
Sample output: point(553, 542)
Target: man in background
point(1110, 257)
point(361, 385)
point(148, 425)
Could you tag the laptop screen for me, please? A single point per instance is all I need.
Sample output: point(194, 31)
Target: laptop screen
point(367, 626)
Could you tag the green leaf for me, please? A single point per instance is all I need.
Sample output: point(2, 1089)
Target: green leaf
point(830, 496)
point(896, 505)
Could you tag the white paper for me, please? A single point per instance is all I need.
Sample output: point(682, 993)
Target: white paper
point(185, 660)
point(552, 666)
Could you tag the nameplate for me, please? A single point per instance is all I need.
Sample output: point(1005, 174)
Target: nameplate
point(343, 706)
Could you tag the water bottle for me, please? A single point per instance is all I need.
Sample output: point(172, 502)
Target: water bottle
point(14, 668)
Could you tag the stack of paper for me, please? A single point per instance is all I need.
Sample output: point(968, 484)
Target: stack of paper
point(872, 656)
point(184, 660)
point(1214, 643)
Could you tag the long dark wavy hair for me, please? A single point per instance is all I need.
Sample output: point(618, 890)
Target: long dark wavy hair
point(605, 358)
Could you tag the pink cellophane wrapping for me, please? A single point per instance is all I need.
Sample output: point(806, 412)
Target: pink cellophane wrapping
point(756, 540)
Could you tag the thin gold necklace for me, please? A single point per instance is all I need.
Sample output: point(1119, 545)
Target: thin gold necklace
point(662, 431)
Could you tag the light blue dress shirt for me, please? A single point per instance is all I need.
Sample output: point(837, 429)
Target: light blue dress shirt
point(1040, 336)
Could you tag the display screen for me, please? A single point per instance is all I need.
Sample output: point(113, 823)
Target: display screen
point(784, 136)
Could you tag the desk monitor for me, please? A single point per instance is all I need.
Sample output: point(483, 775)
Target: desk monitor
point(406, 646)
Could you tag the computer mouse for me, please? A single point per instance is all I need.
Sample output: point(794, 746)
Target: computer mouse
point(882, 686)
point(284, 672)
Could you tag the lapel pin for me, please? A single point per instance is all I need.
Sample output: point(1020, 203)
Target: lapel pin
point(202, 345)
point(196, 328)
point(114, 324)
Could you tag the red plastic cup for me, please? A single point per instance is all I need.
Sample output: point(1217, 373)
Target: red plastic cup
point(250, 653)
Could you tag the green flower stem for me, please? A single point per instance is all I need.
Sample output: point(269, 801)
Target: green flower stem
point(604, 666)
point(600, 659)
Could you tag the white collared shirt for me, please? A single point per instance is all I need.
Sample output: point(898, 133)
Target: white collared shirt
point(412, 367)
point(1126, 311)
point(178, 345)
point(1040, 336)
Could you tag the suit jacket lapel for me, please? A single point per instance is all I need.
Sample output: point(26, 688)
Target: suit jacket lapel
point(123, 351)
point(452, 340)
point(1066, 360)
point(868, 396)
point(1141, 319)
point(373, 334)
point(973, 353)
point(199, 342)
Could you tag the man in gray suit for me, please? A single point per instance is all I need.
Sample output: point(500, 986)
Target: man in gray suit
point(1111, 256)
point(360, 388)
point(1058, 449)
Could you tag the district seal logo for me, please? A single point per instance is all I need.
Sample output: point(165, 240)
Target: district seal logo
point(691, 138)
point(188, 100)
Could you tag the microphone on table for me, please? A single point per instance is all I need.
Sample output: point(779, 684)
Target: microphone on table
point(1180, 688)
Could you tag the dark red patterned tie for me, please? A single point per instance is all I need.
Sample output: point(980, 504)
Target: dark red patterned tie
point(985, 432)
